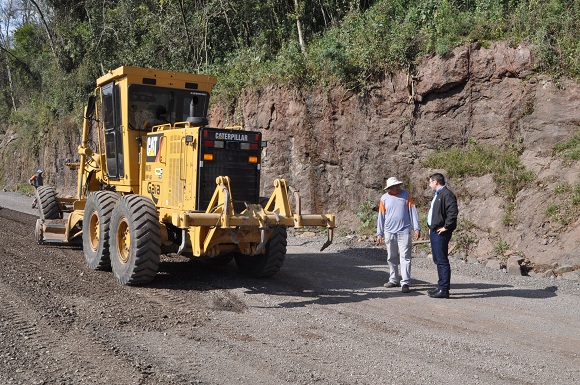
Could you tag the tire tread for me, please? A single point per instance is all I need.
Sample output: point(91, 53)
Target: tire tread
point(145, 249)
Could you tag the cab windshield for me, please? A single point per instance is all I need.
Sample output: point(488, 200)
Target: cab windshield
point(145, 103)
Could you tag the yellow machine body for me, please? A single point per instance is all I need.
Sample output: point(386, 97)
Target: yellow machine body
point(153, 177)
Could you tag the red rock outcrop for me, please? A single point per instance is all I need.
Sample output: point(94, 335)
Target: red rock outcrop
point(337, 146)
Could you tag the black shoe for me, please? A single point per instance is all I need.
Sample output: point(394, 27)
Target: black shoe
point(433, 291)
point(405, 289)
point(440, 293)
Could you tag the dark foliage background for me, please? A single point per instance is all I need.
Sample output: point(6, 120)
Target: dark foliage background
point(51, 51)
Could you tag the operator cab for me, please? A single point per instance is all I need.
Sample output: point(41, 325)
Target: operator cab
point(145, 100)
point(131, 99)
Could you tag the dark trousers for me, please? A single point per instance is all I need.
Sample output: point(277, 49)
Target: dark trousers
point(440, 251)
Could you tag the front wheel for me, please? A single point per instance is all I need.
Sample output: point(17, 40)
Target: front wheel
point(135, 240)
point(96, 221)
point(267, 264)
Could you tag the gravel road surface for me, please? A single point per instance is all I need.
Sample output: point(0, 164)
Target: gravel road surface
point(324, 319)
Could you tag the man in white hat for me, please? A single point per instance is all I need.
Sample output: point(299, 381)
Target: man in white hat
point(397, 214)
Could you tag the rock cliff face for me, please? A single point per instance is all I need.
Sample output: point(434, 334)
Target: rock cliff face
point(337, 146)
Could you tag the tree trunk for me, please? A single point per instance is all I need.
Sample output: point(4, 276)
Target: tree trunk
point(184, 20)
point(299, 26)
point(45, 24)
point(11, 86)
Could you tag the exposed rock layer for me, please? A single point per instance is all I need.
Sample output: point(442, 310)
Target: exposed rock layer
point(337, 146)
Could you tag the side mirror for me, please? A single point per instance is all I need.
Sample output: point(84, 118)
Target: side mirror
point(90, 110)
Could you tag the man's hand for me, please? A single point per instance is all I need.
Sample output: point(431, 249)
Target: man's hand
point(379, 240)
point(441, 230)
point(417, 235)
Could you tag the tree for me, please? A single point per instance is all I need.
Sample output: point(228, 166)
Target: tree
point(298, 10)
point(46, 28)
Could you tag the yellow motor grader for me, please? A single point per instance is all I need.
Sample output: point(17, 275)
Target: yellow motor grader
point(154, 178)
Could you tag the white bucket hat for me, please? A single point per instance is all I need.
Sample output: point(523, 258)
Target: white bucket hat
point(392, 181)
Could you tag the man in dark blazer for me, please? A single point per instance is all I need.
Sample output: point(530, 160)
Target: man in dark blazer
point(442, 220)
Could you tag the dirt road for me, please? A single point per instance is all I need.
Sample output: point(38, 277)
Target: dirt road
point(324, 319)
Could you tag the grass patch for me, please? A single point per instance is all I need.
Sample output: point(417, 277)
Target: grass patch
point(465, 241)
point(476, 160)
point(508, 218)
point(565, 208)
point(368, 217)
point(500, 248)
point(459, 162)
point(569, 149)
point(464, 224)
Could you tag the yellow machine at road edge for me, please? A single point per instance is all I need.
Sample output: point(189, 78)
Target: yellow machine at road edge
point(154, 178)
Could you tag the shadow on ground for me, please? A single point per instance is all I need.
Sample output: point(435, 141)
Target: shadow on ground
point(348, 276)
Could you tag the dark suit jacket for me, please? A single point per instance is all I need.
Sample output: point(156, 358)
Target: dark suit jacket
point(445, 211)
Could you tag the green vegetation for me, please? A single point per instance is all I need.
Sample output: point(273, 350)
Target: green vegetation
point(51, 52)
point(464, 241)
point(473, 160)
point(391, 34)
point(463, 224)
point(565, 207)
point(552, 210)
point(501, 247)
point(463, 237)
point(570, 149)
point(368, 217)
point(26, 188)
point(508, 219)
point(476, 160)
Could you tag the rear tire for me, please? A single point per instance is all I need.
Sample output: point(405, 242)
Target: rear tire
point(46, 203)
point(135, 241)
point(96, 222)
point(267, 264)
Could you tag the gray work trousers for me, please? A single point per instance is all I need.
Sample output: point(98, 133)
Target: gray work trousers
point(399, 253)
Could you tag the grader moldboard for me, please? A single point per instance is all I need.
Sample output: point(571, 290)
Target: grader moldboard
point(178, 187)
